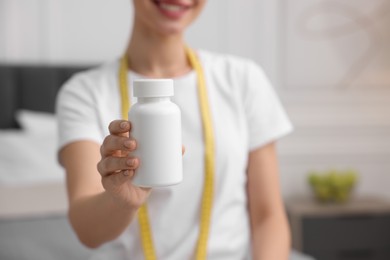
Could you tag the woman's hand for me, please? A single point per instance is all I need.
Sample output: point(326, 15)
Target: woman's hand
point(117, 166)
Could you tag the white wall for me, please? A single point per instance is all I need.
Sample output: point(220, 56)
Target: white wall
point(335, 128)
point(58, 31)
point(334, 72)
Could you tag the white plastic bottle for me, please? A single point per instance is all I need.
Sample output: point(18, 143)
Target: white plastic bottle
point(156, 126)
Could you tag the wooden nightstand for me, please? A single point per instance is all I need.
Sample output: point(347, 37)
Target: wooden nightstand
point(357, 230)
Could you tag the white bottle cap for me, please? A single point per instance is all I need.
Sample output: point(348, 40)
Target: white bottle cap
point(153, 88)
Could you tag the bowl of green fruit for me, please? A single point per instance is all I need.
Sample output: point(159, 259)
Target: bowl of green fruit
point(333, 185)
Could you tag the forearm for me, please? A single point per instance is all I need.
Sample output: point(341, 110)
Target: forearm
point(271, 238)
point(97, 219)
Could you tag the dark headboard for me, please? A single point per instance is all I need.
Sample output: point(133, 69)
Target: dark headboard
point(30, 87)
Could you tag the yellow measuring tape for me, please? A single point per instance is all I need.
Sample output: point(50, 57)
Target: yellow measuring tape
point(208, 188)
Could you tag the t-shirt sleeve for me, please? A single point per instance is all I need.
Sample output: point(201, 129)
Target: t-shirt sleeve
point(77, 113)
point(266, 118)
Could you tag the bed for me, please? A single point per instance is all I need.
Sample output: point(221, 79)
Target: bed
point(33, 222)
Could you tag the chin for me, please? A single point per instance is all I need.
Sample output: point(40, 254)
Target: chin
point(170, 29)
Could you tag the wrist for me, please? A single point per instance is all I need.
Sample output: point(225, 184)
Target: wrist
point(119, 205)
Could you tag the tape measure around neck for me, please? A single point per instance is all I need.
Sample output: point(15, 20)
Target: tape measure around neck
point(209, 161)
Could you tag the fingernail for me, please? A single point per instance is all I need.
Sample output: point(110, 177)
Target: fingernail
point(124, 125)
point(126, 172)
point(128, 144)
point(130, 162)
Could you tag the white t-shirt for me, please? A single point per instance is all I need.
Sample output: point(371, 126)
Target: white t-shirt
point(246, 115)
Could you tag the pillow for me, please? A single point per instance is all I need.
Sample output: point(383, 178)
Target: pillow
point(29, 156)
point(37, 122)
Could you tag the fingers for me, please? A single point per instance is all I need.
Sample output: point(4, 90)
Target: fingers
point(111, 165)
point(119, 127)
point(113, 143)
point(120, 177)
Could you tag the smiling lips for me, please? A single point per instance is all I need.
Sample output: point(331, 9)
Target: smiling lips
point(172, 9)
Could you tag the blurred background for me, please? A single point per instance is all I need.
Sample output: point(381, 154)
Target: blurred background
point(329, 60)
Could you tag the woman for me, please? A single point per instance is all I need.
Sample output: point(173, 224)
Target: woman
point(246, 215)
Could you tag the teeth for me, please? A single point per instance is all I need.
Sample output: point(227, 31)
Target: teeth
point(170, 7)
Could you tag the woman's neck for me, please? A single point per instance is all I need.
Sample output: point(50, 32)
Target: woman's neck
point(157, 56)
